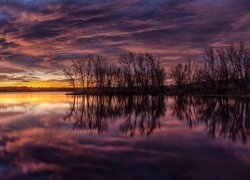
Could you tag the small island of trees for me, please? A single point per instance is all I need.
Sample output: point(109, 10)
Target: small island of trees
point(224, 70)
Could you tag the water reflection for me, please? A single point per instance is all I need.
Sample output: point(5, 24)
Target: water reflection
point(37, 140)
point(223, 117)
point(139, 114)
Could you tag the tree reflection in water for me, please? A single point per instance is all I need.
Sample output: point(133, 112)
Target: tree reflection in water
point(224, 117)
point(139, 114)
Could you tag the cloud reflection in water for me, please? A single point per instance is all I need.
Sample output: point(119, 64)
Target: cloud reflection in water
point(37, 140)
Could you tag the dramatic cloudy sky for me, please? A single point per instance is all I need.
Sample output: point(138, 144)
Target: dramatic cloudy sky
point(39, 37)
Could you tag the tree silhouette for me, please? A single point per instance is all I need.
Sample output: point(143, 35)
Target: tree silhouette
point(135, 73)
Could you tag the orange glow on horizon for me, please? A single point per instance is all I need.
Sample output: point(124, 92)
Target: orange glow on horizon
point(35, 84)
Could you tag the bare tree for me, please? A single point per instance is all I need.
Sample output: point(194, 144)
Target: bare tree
point(185, 73)
point(71, 77)
point(135, 72)
point(191, 73)
point(126, 62)
point(178, 74)
point(239, 56)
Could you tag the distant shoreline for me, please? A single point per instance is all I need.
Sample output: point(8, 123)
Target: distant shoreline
point(166, 91)
point(120, 91)
point(31, 89)
point(154, 91)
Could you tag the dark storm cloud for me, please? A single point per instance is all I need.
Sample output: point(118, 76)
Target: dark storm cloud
point(47, 33)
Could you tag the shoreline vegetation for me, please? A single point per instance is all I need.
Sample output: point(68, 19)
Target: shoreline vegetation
point(167, 91)
point(170, 90)
point(224, 71)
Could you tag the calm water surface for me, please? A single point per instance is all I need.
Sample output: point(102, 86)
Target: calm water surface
point(54, 136)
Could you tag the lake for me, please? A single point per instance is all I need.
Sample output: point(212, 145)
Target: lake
point(57, 136)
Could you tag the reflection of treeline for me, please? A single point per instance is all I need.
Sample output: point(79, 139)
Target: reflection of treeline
point(224, 117)
point(224, 68)
point(137, 114)
point(135, 72)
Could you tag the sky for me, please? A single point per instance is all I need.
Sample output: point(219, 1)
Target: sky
point(38, 38)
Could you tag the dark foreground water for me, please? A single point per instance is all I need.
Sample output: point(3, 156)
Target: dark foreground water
point(54, 136)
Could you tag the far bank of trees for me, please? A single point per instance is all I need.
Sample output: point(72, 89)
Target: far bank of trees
point(134, 72)
point(223, 67)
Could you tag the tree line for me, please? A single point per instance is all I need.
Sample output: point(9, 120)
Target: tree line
point(133, 72)
point(222, 68)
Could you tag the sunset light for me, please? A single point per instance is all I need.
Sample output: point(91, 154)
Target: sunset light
point(125, 89)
